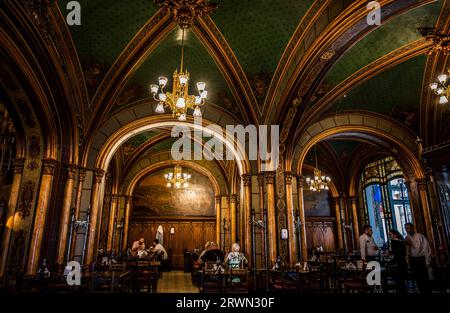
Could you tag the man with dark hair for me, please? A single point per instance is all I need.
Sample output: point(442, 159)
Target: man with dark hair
point(211, 254)
point(419, 257)
point(367, 246)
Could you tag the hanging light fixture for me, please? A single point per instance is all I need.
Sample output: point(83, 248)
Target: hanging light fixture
point(179, 102)
point(320, 181)
point(177, 179)
point(441, 88)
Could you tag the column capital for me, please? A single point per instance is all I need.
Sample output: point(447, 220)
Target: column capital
point(114, 197)
point(48, 166)
point(18, 165)
point(269, 177)
point(218, 199)
point(288, 178)
point(98, 175)
point(261, 179)
point(352, 199)
point(422, 183)
point(300, 181)
point(72, 171)
point(81, 173)
point(246, 179)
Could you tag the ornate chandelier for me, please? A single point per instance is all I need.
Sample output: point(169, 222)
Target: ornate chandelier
point(441, 88)
point(177, 178)
point(319, 182)
point(179, 102)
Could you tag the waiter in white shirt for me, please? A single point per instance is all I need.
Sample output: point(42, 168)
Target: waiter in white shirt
point(419, 257)
point(367, 245)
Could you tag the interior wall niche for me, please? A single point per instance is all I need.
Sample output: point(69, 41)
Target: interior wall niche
point(152, 198)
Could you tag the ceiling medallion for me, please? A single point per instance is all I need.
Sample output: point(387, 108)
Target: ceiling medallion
point(177, 179)
point(184, 12)
point(442, 88)
point(441, 42)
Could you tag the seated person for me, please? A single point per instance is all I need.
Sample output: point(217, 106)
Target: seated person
point(138, 248)
point(235, 258)
point(211, 254)
point(159, 249)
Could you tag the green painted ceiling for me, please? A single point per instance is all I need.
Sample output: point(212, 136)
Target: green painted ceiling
point(258, 31)
point(344, 148)
point(107, 26)
point(394, 34)
point(166, 58)
point(139, 139)
point(395, 92)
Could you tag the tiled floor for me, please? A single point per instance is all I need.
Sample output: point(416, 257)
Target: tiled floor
point(176, 282)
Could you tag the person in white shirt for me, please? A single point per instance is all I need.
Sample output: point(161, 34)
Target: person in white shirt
point(419, 257)
point(159, 249)
point(367, 245)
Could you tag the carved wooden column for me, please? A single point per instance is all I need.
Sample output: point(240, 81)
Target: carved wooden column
point(301, 211)
point(45, 189)
point(426, 211)
point(355, 222)
point(337, 206)
point(11, 211)
point(126, 222)
point(233, 199)
point(64, 224)
point(247, 181)
point(93, 220)
point(271, 216)
point(112, 216)
point(81, 177)
point(290, 218)
point(218, 220)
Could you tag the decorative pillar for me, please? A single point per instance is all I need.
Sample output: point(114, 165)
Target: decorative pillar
point(45, 189)
point(271, 216)
point(301, 212)
point(126, 222)
point(95, 206)
point(290, 218)
point(355, 222)
point(426, 212)
point(337, 206)
point(218, 219)
point(263, 217)
point(233, 218)
point(112, 216)
point(64, 224)
point(247, 182)
point(12, 204)
point(81, 176)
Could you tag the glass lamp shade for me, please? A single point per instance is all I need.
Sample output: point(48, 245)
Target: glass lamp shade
point(162, 97)
point(183, 79)
point(162, 81)
point(159, 108)
point(204, 94)
point(198, 100)
point(182, 117)
point(185, 185)
point(181, 103)
point(201, 86)
point(440, 91)
point(308, 180)
point(154, 89)
point(177, 185)
point(197, 112)
point(169, 185)
point(443, 100)
point(433, 86)
point(442, 78)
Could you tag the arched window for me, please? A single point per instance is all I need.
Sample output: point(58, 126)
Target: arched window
point(385, 198)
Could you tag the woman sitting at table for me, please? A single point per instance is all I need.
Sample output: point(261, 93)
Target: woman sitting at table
point(159, 250)
point(235, 258)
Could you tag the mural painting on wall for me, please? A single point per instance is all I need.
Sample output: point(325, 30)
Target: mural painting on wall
point(316, 203)
point(154, 198)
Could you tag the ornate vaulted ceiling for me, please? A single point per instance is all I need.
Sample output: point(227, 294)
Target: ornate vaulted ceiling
point(244, 48)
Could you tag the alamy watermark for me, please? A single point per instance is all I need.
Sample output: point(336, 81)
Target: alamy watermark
point(230, 144)
point(374, 16)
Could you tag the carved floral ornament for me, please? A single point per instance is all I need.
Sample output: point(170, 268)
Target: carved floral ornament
point(184, 12)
